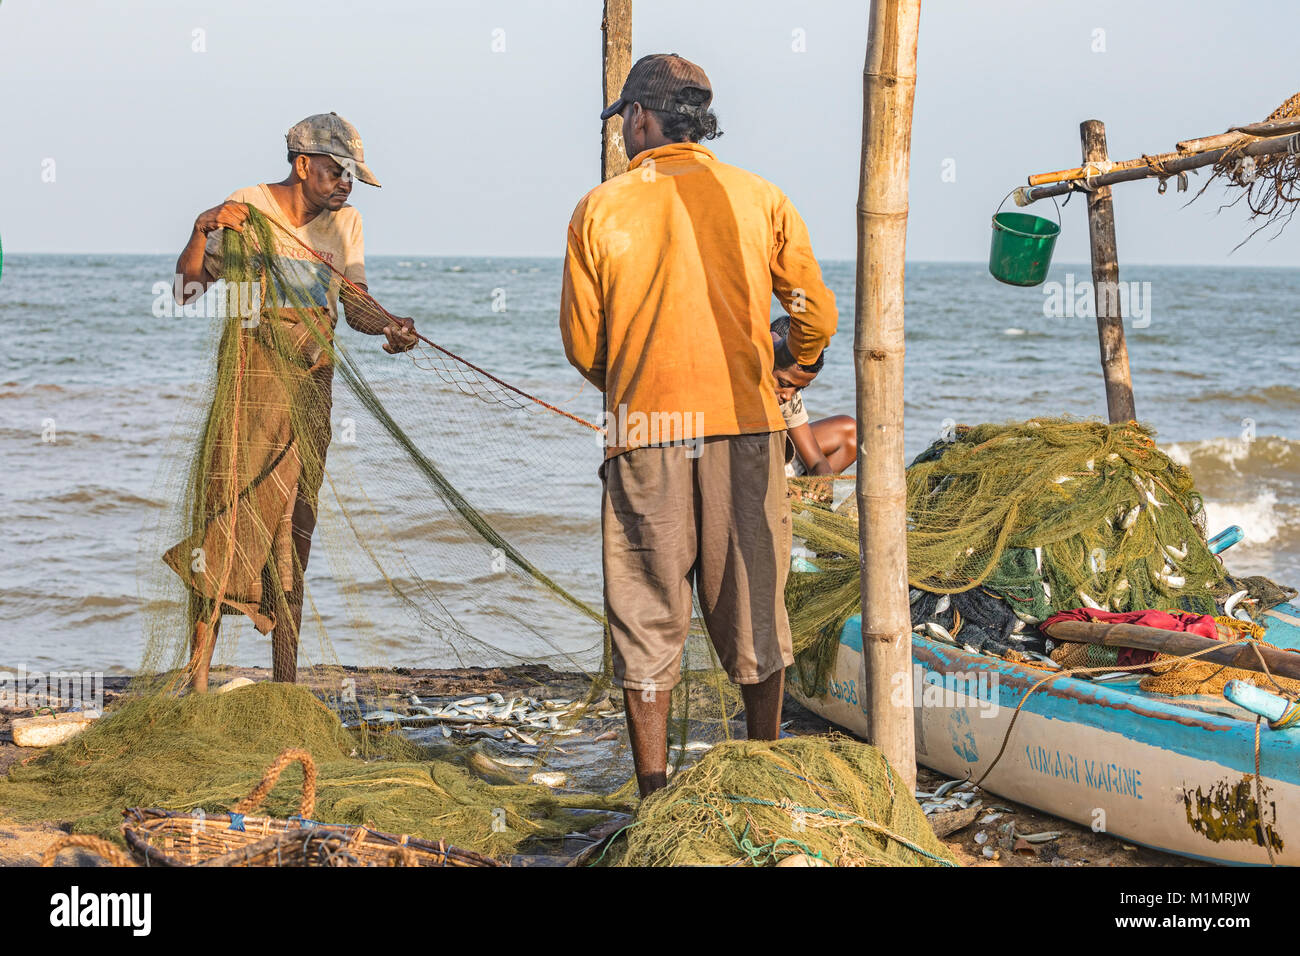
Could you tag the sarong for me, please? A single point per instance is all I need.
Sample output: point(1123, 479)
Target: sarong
point(263, 449)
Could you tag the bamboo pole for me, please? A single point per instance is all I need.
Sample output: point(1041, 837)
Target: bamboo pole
point(1261, 147)
point(889, 83)
point(1238, 654)
point(616, 61)
point(1105, 282)
point(1233, 137)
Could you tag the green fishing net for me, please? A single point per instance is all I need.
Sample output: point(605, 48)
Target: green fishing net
point(1047, 514)
point(752, 803)
point(207, 751)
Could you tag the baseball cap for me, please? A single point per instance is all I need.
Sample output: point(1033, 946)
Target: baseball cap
point(655, 80)
point(331, 135)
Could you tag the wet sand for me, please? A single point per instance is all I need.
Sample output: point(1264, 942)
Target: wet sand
point(22, 845)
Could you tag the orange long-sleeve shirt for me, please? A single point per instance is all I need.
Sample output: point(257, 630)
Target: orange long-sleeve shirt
point(668, 283)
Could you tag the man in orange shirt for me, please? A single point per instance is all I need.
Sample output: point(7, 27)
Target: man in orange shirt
point(668, 283)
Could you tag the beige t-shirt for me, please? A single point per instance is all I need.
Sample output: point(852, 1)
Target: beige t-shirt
point(336, 236)
point(793, 411)
point(795, 415)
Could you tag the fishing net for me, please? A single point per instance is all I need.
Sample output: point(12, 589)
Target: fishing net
point(753, 803)
point(1030, 517)
point(261, 455)
point(1269, 185)
point(205, 751)
point(425, 477)
point(1176, 676)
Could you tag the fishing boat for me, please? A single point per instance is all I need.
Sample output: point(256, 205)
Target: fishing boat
point(1176, 774)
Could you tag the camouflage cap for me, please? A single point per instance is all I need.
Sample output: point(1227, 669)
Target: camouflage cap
point(655, 80)
point(331, 135)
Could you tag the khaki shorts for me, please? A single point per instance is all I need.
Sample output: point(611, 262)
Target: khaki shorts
point(715, 514)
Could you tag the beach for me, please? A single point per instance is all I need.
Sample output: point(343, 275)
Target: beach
point(605, 763)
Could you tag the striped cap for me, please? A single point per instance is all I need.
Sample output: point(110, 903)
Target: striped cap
point(655, 81)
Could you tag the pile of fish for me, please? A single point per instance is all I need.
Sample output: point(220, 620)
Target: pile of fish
point(958, 795)
point(953, 795)
point(522, 717)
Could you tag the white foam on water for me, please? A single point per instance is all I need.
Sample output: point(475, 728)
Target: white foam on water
point(1273, 452)
point(1227, 451)
point(1259, 519)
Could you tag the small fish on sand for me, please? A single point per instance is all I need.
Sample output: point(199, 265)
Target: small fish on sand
point(515, 762)
point(693, 746)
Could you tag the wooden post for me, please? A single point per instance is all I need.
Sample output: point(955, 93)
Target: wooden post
point(889, 82)
point(616, 62)
point(1105, 282)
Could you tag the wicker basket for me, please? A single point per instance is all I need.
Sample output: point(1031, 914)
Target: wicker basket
point(169, 838)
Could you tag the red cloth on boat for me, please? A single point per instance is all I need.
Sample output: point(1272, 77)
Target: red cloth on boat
point(1200, 624)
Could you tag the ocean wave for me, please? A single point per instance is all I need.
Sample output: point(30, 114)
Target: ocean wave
point(1260, 519)
point(99, 498)
point(1270, 458)
point(1272, 396)
point(1251, 483)
point(18, 389)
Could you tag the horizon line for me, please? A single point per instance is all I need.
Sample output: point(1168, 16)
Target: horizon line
point(827, 259)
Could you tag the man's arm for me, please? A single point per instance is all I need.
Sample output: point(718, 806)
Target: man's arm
point(797, 282)
point(364, 315)
point(582, 313)
point(192, 279)
point(810, 452)
point(361, 311)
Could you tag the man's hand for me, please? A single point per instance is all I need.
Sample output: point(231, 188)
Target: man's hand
point(229, 215)
point(816, 491)
point(400, 333)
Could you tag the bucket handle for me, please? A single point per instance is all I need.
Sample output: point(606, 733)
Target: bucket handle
point(1018, 193)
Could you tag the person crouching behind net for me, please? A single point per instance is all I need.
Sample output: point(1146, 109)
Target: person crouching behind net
point(824, 447)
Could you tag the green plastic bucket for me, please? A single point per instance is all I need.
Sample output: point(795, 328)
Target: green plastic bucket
point(1021, 250)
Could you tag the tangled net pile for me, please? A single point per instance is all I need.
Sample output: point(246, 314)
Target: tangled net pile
point(750, 803)
point(207, 751)
point(1045, 515)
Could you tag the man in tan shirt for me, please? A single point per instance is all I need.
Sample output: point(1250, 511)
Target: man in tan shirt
point(255, 556)
point(668, 282)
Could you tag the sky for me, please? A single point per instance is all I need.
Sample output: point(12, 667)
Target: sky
point(123, 120)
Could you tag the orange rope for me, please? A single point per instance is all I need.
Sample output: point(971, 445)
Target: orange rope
point(371, 300)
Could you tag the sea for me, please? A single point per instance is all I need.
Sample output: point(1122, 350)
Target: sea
point(103, 382)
